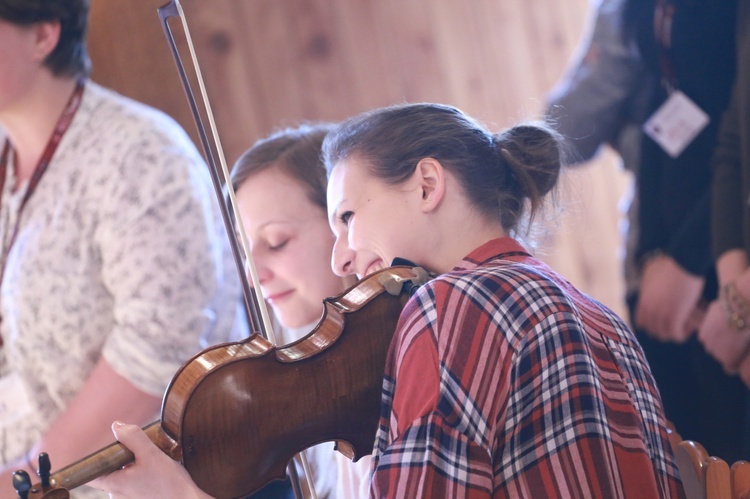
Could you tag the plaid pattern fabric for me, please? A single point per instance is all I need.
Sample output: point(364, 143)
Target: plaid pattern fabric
point(505, 381)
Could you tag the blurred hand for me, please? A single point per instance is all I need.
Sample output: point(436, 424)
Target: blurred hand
point(727, 345)
point(724, 342)
point(668, 304)
point(745, 371)
point(153, 474)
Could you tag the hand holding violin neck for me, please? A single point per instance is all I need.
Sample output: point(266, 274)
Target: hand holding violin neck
point(100, 463)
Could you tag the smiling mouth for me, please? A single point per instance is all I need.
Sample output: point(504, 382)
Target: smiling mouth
point(273, 299)
point(372, 268)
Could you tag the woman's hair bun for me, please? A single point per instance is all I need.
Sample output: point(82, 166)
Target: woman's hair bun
point(533, 152)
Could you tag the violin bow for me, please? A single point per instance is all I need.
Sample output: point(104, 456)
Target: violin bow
point(257, 313)
point(254, 303)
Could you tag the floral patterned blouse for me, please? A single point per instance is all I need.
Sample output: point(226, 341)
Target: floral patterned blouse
point(120, 253)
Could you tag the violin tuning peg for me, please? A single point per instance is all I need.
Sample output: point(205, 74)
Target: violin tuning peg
point(44, 469)
point(22, 483)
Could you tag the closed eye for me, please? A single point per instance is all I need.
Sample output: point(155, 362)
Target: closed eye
point(279, 246)
point(346, 217)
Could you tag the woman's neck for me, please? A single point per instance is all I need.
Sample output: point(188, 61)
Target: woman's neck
point(456, 231)
point(462, 242)
point(31, 120)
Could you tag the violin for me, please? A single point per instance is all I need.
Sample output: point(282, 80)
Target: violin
point(214, 415)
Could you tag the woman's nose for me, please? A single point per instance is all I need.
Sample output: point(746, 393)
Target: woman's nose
point(264, 273)
point(342, 259)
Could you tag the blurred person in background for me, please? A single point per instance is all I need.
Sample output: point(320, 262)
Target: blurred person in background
point(726, 330)
point(281, 195)
point(638, 58)
point(114, 264)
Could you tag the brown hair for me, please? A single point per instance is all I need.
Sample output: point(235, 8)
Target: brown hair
point(296, 151)
point(499, 173)
point(70, 56)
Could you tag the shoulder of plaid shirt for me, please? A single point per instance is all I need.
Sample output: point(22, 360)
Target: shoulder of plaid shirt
point(505, 381)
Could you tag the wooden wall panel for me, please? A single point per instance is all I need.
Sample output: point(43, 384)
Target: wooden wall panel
point(271, 63)
point(129, 54)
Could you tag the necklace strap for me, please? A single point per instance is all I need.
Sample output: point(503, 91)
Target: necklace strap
point(663, 18)
point(63, 123)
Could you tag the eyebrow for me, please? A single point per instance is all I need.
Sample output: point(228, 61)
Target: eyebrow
point(277, 222)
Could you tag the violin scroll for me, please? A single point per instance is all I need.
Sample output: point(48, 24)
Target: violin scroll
point(111, 458)
point(22, 483)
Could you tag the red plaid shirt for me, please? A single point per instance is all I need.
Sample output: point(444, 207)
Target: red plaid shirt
point(505, 381)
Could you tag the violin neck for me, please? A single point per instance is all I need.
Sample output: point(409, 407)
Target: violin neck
point(110, 458)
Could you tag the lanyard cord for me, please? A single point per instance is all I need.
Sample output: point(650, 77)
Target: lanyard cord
point(663, 17)
point(60, 128)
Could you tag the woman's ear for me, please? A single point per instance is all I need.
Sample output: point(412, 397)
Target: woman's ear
point(47, 36)
point(431, 177)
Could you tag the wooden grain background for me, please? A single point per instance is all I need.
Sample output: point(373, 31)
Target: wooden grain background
point(271, 63)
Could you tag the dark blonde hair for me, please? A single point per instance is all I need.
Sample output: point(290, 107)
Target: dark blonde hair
point(70, 56)
point(504, 175)
point(296, 151)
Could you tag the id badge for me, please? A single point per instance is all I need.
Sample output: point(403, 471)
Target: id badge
point(15, 402)
point(676, 123)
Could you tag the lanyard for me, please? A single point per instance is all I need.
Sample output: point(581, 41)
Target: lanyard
point(663, 17)
point(60, 128)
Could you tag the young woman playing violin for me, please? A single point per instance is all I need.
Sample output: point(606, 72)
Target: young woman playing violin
point(502, 379)
point(280, 185)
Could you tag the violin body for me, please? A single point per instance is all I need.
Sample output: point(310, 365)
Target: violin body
point(235, 414)
point(241, 412)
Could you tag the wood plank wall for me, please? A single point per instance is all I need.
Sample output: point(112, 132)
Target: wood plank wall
point(271, 63)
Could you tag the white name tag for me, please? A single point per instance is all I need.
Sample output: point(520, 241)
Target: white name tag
point(676, 123)
point(15, 401)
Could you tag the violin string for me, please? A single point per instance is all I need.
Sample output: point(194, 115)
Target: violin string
point(250, 264)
